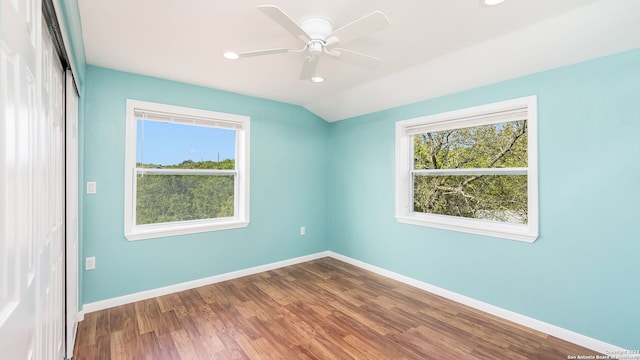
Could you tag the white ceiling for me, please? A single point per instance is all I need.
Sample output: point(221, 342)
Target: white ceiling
point(433, 47)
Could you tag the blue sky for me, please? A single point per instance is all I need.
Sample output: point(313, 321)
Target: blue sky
point(170, 143)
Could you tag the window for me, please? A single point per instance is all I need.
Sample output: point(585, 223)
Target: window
point(186, 170)
point(471, 170)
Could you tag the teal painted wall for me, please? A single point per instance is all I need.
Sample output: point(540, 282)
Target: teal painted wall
point(581, 274)
point(288, 189)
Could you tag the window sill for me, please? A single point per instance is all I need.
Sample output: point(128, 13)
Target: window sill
point(183, 228)
point(524, 233)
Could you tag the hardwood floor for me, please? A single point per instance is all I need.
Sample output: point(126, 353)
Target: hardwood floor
point(322, 309)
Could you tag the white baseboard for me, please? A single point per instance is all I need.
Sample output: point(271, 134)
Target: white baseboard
point(143, 295)
point(561, 333)
point(564, 334)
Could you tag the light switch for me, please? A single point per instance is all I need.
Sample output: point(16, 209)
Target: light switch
point(91, 187)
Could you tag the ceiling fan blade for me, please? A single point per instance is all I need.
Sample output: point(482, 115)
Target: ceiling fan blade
point(366, 25)
point(356, 58)
point(277, 15)
point(265, 52)
point(309, 67)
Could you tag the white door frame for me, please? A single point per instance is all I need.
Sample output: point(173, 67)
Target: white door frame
point(71, 273)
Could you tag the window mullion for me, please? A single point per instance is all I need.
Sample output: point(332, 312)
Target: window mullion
point(151, 171)
point(472, 171)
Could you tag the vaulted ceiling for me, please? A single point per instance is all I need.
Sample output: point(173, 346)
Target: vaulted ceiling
point(432, 48)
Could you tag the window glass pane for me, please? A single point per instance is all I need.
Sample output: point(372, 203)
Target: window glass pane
point(171, 145)
point(168, 198)
point(487, 197)
point(489, 146)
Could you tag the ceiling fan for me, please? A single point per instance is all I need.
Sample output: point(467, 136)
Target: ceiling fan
point(318, 36)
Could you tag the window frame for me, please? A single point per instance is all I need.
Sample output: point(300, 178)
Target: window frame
point(190, 116)
point(473, 116)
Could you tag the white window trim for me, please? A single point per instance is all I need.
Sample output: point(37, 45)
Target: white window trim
point(201, 117)
point(463, 118)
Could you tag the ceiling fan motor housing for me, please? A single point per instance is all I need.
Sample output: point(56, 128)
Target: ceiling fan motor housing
point(317, 28)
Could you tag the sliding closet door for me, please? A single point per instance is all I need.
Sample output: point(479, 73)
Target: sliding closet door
point(50, 190)
point(21, 230)
point(31, 186)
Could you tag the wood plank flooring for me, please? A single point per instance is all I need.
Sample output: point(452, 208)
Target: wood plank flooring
point(322, 309)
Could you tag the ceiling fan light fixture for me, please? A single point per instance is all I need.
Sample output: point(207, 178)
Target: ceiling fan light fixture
point(230, 55)
point(492, 2)
point(317, 79)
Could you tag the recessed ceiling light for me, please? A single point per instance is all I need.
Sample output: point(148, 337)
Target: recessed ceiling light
point(492, 2)
point(317, 79)
point(230, 55)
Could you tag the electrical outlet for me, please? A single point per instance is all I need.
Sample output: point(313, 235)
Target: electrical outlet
point(302, 230)
point(90, 263)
